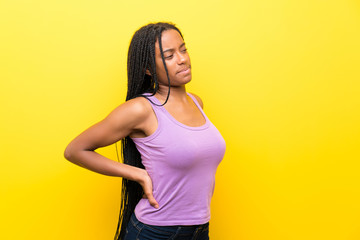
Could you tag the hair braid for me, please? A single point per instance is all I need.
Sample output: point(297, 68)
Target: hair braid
point(141, 57)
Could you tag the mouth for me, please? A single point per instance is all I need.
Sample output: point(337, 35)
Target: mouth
point(184, 70)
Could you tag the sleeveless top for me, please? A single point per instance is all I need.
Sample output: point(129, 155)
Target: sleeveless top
point(181, 162)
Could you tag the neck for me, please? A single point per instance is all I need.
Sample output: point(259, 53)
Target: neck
point(177, 93)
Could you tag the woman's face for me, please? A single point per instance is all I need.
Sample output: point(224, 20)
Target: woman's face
point(176, 58)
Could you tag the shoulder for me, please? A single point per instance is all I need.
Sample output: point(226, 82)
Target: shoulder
point(139, 105)
point(198, 99)
point(132, 111)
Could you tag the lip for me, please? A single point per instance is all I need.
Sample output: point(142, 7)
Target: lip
point(185, 70)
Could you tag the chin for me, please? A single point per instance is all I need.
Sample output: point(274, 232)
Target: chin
point(185, 81)
point(182, 81)
point(187, 78)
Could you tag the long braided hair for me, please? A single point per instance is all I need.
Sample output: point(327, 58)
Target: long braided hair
point(141, 57)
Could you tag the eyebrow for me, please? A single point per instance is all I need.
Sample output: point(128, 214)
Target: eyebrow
point(172, 49)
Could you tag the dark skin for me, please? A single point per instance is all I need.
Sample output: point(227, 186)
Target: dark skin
point(136, 118)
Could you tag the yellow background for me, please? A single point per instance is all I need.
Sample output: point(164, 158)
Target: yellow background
point(280, 80)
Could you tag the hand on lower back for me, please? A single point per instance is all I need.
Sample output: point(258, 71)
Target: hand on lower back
point(146, 184)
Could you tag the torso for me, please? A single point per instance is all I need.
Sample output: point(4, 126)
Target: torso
point(181, 160)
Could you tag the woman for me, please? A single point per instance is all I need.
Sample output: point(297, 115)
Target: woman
point(170, 148)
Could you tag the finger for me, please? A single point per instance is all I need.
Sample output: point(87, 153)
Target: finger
point(152, 201)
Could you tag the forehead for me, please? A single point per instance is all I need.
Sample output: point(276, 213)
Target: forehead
point(170, 39)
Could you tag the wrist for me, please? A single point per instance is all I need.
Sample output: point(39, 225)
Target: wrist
point(140, 175)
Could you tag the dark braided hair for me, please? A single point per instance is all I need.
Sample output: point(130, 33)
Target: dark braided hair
point(141, 57)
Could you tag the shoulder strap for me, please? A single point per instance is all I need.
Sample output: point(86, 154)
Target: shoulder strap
point(195, 100)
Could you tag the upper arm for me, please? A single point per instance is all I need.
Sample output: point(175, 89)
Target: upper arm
point(121, 122)
point(198, 99)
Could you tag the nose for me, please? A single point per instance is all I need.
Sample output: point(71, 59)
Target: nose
point(181, 58)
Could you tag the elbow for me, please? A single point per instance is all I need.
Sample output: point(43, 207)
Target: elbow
point(68, 154)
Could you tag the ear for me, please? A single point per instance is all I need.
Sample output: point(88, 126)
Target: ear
point(147, 72)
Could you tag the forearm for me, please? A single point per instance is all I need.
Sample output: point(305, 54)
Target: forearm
point(100, 164)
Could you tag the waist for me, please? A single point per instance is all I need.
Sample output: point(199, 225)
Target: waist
point(182, 229)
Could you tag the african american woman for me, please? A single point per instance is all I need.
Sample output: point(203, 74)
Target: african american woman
point(170, 148)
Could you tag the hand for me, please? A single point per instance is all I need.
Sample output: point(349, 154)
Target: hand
point(146, 184)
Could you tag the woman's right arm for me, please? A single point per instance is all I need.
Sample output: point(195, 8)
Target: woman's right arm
point(132, 116)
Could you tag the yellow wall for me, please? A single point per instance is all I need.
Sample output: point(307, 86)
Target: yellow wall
point(280, 79)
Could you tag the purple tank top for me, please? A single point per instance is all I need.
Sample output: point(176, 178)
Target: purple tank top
point(181, 161)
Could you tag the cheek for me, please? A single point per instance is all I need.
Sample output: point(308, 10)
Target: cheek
point(161, 69)
point(161, 73)
point(188, 57)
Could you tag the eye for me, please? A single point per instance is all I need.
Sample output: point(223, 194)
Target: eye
point(169, 57)
point(184, 50)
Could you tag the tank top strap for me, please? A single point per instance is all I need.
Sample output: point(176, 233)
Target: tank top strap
point(157, 108)
point(197, 104)
point(155, 104)
point(194, 99)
